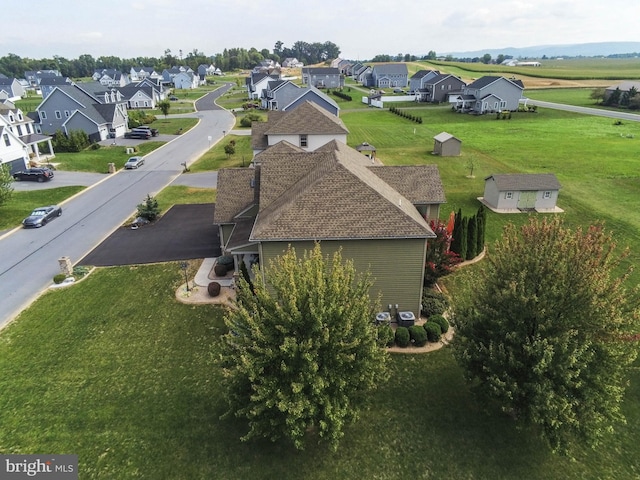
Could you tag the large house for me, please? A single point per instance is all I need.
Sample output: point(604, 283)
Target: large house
point(378, 216)
point(387, 75)
point(19, 142)
point(285, 95)
point(308, 127)
point(438, 88)
point(100, 113)
point(256, 82)
point(489, 95)
point(322, 77)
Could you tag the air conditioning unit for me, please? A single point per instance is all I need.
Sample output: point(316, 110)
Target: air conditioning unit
point(383, 317)
point(406, 319)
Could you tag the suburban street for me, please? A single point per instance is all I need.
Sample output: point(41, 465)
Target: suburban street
point(29, 258)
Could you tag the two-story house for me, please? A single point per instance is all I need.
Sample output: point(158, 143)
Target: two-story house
point(322, 77)
point(11, 89)
point(438, 88)
point(308, 126)
point(285, 95)
point(47, 84)
point(489, 94)
point(256, 82)
point(387, 75)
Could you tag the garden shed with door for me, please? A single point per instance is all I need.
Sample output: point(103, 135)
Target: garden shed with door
point(446, 145)
point(521, 192)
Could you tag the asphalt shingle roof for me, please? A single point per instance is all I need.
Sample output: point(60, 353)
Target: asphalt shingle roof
point(525, 181)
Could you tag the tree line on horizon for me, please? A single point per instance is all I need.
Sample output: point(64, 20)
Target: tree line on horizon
point(85, 65)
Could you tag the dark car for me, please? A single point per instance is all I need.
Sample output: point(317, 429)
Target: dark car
point(41, 216)
point(34, 174)
point(153, 131)
point(173, 99)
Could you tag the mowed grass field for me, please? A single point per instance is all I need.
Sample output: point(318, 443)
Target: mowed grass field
point(114, 369)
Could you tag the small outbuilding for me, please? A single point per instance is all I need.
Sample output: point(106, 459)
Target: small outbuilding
point(446, 145)
point(506, 193)
point(367, 149)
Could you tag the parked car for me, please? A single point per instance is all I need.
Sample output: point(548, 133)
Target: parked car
point(34, 174)
point(41, 216)
point(152, 131)
point(140, 134)
point(134, 162)
point(173, 98)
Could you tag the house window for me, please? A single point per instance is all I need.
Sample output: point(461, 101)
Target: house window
point(58, 114)
point(7, 141)
point(303, 141)
point(20, 117)
point(43, 115)
point(508, 195)
point(546, 195)
point(67, 113)
point(19, 130)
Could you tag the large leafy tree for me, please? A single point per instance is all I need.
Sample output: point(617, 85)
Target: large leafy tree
point(301, 355)
point(548, 331)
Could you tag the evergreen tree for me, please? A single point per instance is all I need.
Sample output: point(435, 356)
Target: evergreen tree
point(472, 237)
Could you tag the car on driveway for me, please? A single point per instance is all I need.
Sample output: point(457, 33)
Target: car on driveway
point(34, 174)
point(146, 128)
point(134, 162)
point(41, 216)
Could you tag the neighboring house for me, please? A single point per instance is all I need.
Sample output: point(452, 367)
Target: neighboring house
point(140, 97)
point(418, 79)
point(374, 214)
point(308, 127)
point(624, 87)
point(73, 107)
point(521, 192)
point(256, 82)
point(322, 77)
point(488, 95)
point(34, 76)
point(446, 145)
point(186, 81)
point(11, 89)
point(47, 84)
point(285, 95)
point(292, 63)
point(110, 77)
point(387, 75)
point(439, 87)
point(140, 73)
point(19, 140)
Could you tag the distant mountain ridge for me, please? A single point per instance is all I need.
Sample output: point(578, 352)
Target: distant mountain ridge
point(597, 49)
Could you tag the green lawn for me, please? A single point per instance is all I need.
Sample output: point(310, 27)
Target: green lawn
point(114, 369)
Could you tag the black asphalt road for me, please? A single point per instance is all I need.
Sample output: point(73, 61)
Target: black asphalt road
point(184, 232)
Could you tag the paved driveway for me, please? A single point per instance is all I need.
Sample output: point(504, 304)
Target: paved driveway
point(184, 232)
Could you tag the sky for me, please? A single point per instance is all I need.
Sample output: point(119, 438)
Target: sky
point(362, 29)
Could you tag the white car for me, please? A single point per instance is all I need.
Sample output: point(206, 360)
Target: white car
point(134, 162)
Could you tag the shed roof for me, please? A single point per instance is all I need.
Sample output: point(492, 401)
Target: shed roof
point(525, 181)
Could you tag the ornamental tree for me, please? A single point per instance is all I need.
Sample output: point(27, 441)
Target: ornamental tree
point(301, 354)
point(548, 331)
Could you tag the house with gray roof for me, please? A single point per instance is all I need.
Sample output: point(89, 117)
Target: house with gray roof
point(387, 75)
point(100, 114)
point(623, 87)
point(285, 95)
point(322, 77)
point(11, 89)
point(47, 84)
point(378, 216)
point(489, 94)
point(308, 126)
point(521, 192)
point(33, 77)
point(256, 82)
point(438, 88)
point(418, 79)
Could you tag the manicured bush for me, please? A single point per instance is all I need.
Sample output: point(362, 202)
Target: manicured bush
point(386, 335)
point(225, 260)
point(433, 302)
point(418, 335)
point(440, 320)
point(59, 278)
point(220, 270)
point(402, 337)
point(213, 289)
point(433, 331)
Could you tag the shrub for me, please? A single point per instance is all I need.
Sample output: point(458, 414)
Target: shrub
point(386, 335)
point(402, 337)
point(418, 335)
point(225, 260)
point(220, 270)
point(59, 278)
point(213, 289)
point(81, 270)
point(440, 320)
point(433, 331)
point(433, 303)
point(149, 210)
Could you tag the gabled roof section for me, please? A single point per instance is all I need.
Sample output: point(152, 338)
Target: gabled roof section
point(482, 82)
point(525, 181)
point(235, 193)
point(391, 68)
point(423, 73)
point(421, 184)
point(332, 195)
point(308, 118)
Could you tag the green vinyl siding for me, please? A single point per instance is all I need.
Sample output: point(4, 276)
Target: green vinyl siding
point(396, 266)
